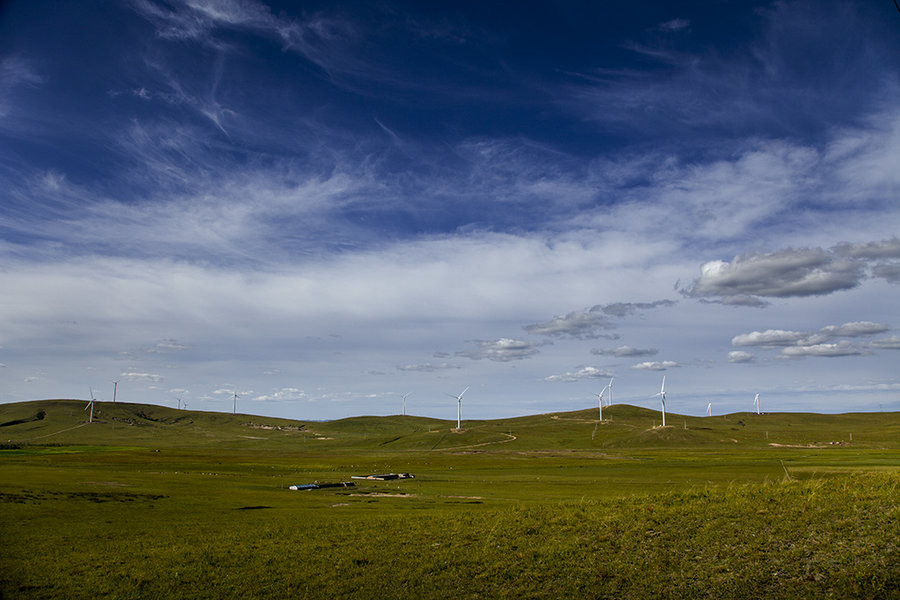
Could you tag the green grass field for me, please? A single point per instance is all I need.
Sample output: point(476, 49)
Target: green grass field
point(151, 502)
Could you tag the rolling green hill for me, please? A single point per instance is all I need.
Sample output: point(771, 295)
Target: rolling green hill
point(124, 424)
point(153, 502)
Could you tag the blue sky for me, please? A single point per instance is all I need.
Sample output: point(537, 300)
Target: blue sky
point(323, 206)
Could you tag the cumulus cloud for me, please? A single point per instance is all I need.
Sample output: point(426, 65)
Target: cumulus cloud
point(579, 325)
point(773, 338)
point(739, 356)
point(655, 365)
point(501, 350)
point(795, 272)
point(781, 274)
point(623, 351)
point(769, 338)
point(583, 372)
point(842, 348)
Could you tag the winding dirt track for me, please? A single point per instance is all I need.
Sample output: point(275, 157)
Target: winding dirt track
point(60, 431)
point(509, 438)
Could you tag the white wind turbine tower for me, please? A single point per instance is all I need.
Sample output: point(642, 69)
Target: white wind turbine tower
point(600, 401)
point(115, 387)
point(405, 396)
point(756, 403)
point(609, 398)
point(234, 403)
point(459, 407)
point(662, 396)
point(709, 409)
point(91, 406)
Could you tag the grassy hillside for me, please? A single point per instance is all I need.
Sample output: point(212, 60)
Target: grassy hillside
point(152, 502)
point(66, 422)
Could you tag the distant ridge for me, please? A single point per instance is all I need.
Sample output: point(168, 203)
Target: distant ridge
point(64, 421)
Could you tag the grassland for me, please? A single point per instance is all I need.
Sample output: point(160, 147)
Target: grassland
point(150, 502)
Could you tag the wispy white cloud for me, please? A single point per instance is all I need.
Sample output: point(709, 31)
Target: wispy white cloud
point(624, 309)
point(842, 348)
point(772, 338)
point(882, 249)
point(889, 343)
point(888, 272)
point(282, 395)
point(655, 365)
point(142, 377)
point(769, 338)
point(166, 346)
point(766, 81)
point(580, 325)
point(623, 351)
point(501, 350)
point(15, 72)
point(675, 25)
point(582, 373)
point(853, 329)
point(428, 367)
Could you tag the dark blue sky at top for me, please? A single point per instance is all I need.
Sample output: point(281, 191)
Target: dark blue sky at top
point(403, 90)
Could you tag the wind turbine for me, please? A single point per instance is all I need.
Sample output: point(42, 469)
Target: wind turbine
point(91, 406)
point(234, 403)
point(662, 396)
point(179, 403)
point(600, 401)
point(609, 398)
point(115, 387)
point(709, 409)
point(404, 396)
point(756, 403)
point(459, 407)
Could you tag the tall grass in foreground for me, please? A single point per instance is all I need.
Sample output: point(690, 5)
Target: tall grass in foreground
point(834, 537)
